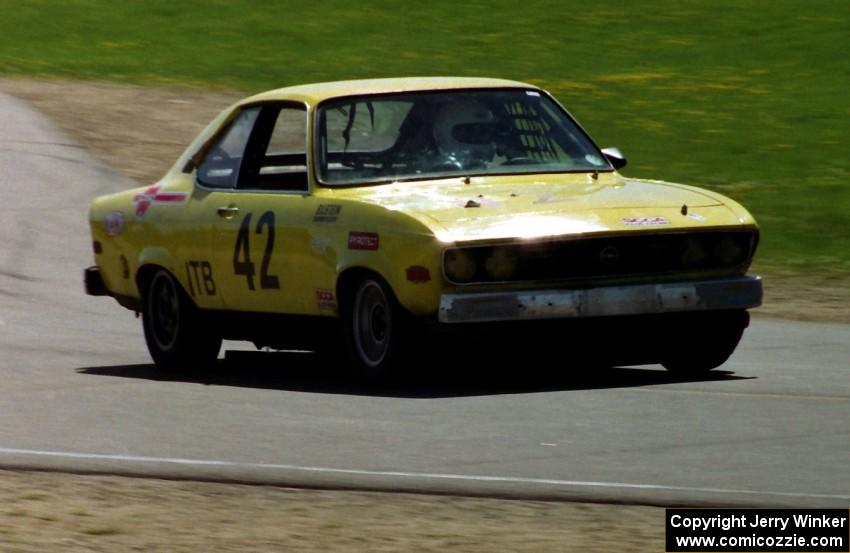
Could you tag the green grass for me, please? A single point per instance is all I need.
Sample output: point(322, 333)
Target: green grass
point(748, 97)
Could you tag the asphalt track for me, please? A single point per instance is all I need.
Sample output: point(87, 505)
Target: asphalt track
point(79, 393)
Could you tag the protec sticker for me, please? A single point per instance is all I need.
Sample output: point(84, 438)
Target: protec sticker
point(363, 240)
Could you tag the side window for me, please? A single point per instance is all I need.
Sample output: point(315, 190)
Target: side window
point(289, 135)
point(278, 158)
point(222, 163)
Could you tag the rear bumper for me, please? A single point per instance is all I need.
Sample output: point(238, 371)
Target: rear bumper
point(94, 282)
point(638, 299)
point(95, 286)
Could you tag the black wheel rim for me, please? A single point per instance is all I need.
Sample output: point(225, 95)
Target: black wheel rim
point(371, 323)
point(164, 310)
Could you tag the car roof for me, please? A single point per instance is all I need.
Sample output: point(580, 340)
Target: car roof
point(314, 93)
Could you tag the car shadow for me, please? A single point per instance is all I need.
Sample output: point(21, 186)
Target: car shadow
point(307, 372)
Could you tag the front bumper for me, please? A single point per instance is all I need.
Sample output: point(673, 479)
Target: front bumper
point(637, 299)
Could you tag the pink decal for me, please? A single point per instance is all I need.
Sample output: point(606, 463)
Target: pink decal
point(152, 195)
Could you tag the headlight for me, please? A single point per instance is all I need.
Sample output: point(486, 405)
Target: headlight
point(501, 263)
point(730, 251)
point(694, 254)
point(460, 265)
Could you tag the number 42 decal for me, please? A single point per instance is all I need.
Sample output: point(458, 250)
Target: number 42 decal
point(242, 264)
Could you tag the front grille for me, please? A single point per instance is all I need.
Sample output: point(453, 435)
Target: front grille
point(600, 257)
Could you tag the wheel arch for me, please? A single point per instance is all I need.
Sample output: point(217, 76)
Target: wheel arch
point(143, 278)
point(420, 299)
point(145, 274)
point(150, 259)
point(350, 276)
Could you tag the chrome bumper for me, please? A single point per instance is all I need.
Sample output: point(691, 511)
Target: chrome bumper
point(637, 299)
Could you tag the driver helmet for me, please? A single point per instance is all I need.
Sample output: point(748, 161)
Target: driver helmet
point(464, 131)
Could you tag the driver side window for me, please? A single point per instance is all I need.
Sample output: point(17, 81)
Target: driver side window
point(222, 163)
point(277, 153)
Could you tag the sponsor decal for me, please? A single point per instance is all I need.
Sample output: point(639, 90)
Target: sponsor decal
point(153, 195)
point(327, 213)
point(325, 298)
point(696, 217)
point(363, 240)
point(113, 223)
point(644, 221)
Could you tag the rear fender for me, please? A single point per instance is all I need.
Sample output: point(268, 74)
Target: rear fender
point(157, 255)
point(154, 256)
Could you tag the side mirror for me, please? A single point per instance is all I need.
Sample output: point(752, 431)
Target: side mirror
point(615, 157)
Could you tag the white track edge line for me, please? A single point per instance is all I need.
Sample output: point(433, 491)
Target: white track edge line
point(403, 474)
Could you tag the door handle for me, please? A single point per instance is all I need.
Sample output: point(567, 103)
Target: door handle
point(227, 212)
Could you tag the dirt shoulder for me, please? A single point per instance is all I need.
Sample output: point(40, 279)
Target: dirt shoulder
point(140, 131)
point(42, 512)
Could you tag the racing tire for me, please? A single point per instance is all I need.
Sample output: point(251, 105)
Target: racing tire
point(175, 333)
point(374, 329)
point(707, 345)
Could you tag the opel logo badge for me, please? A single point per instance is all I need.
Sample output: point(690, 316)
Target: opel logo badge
point(609, 256)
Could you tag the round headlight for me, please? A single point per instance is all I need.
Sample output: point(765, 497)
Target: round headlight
point(694, 254)
point(729, 251)
point(460, 265)
point(501, 263)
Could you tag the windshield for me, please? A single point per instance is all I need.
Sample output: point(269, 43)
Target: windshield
point(381, 138)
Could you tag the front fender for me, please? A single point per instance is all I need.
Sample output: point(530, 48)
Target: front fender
point(413, 274)
point(402, 251)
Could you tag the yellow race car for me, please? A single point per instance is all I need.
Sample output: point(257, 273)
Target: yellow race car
point(355, 215)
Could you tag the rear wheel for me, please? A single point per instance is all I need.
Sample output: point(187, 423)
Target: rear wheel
point(374, 329)
point(706, 344)
point(175, 334)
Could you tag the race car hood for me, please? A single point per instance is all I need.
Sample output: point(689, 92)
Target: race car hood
point(531, 206)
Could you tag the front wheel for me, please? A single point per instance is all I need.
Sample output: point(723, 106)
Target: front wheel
point(175, 334)
point(373, 323)
point(705, 345)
